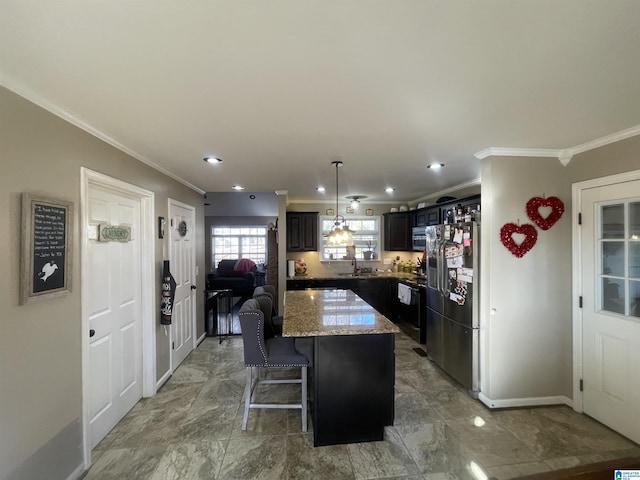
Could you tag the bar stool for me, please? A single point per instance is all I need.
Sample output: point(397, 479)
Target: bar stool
point(277, 352)
point(268, 291)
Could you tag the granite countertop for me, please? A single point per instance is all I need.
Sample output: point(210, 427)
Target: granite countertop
point(314, 313)
point(325, 276)
point(410, 278)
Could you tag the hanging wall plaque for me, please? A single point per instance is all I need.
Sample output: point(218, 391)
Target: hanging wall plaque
point(46, 248)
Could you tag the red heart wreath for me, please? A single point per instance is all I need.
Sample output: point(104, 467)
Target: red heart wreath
point(533, 211)
point(530, 238)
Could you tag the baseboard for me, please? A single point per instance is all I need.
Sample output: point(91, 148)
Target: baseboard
point(77, 473)
point(163, 379)
point(608, 469)
point(525, 402)
point(201, 338)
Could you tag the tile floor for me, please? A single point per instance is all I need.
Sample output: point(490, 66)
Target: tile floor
point(191, 430)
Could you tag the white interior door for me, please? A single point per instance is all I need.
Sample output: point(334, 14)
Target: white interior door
point(113, 312)
point(611, 305)
point(182, 265)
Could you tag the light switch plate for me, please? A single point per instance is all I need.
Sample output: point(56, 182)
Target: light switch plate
point(92, 232)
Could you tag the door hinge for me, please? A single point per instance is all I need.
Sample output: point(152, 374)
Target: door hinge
point(580, 219)
point(173, 345)
point(172, 222)
point(580, 301)
point(581, 385)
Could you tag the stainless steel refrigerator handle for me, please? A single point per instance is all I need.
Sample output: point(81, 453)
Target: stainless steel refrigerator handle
point(436, 253)
point(441, 268)
point(445, 272)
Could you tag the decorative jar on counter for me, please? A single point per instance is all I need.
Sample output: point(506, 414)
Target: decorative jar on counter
point(301, 267)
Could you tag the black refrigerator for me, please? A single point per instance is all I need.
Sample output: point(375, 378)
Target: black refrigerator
point(453, 278)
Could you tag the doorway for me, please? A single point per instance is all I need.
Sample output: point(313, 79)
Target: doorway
point(118, 339)
point(607, 327)
point(182, 263)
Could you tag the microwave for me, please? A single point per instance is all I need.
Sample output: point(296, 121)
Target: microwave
point(418, 239)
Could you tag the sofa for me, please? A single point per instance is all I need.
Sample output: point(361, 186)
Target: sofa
point(236, 275)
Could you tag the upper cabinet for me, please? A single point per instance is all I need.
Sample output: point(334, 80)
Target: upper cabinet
point(397, 226)
point(436, 214)
point(427, 216)
point(302, 231)
point(397, 231)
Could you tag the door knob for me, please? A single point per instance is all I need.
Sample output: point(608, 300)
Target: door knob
point(92, 332)
point(193, 287)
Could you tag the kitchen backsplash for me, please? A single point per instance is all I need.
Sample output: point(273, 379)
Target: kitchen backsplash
point(316, 267)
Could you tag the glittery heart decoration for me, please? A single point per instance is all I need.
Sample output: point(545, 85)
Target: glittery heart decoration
point(529, 232)
point(533, 211)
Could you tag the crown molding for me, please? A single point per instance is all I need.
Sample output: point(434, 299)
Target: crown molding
point(606, 140)
point(563, 155)
point(516, 152)
point(471, 183)
point(72, 118)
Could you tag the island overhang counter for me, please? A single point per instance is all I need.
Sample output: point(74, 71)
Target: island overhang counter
point(353, 371)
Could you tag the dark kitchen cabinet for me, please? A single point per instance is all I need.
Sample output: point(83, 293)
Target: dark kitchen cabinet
point(302, 231)
point(397, 231)
point(473, 202)
point(376, 292)
point(427, 216)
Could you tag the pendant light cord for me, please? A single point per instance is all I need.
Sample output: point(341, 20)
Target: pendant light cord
point(337, 163)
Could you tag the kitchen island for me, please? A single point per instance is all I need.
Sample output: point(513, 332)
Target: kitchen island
point(380, 290)
point(353, 371)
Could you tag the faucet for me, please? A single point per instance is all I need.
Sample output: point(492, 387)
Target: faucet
point(354, 262)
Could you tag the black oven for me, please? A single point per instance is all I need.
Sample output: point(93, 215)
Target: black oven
point(419, 238)
point(411, 309)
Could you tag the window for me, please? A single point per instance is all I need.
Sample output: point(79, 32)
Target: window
point(238, 242)
point(365, 239)
point(619, 249)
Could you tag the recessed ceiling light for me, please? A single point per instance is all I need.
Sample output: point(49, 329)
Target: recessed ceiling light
point(389, 189)
point(238, 187)
point(212, 159)
point(321, 189)
point(435, 166)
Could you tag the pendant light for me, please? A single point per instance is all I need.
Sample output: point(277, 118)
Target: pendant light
point(340, 233)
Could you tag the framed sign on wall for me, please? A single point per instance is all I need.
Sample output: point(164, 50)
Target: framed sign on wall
point(46, 248)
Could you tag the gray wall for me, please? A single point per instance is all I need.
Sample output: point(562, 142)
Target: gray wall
point(527, 340)
point(40, 345)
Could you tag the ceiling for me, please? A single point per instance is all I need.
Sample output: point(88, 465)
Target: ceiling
point(279, 89)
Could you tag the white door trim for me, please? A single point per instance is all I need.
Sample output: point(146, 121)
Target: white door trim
point(194, 315)
point(147, 271)
point(576, 193)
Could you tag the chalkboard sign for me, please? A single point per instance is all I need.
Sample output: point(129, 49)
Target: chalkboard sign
point(46, 248)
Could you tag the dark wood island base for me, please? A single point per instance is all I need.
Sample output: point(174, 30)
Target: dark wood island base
point(353, 372)
point(353, 388)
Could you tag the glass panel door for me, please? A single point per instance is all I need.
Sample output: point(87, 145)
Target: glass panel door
point(619, 251)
